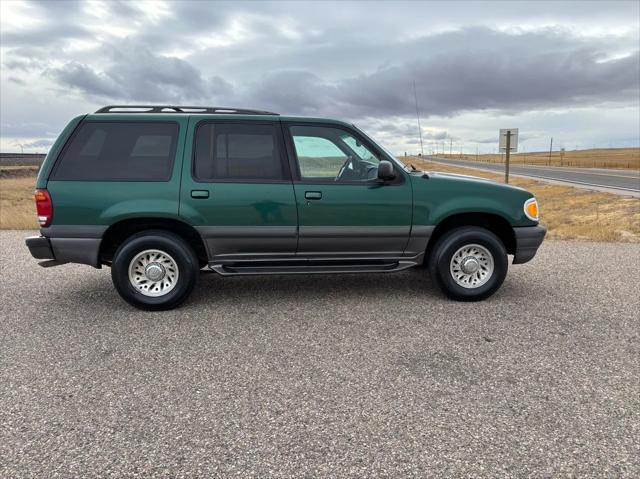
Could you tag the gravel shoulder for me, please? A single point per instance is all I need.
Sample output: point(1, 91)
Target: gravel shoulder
point(351, 375)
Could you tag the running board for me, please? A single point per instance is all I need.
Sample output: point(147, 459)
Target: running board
point(236, 270)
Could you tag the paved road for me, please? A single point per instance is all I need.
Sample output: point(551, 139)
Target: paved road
point(363, 375)
point(625, 182)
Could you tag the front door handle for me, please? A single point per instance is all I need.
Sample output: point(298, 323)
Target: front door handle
point(313, 195)
point(200, 194)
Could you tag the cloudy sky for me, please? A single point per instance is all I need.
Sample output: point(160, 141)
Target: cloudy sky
point(570, 70)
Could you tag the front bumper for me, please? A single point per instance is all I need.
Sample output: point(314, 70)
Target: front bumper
point(528, 240)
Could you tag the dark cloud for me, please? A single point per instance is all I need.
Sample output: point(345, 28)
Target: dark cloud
point(466, 80)
point(480, 80)
point(335, 71)
point(298, 92)
point(352, 60)
point(440, 135)
point(17, 81)
point(54, 21)
point(82, 77)
point(63, 21)
point(134, 73)
point(218, 87)
point(21, 61)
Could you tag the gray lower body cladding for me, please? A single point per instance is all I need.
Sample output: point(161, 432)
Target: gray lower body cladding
point(244, 241)
point(228, 244)
point(528, 240)
point(40, 247)
point(319, 240)
point(68, 244)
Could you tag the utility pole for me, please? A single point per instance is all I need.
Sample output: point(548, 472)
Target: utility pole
point(506, 164)
point(415, 95)
point(450, 146)
point(476, 152)
point(550, 150)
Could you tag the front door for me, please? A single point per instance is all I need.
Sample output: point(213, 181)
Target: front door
point(237, 189)
point(344, 211)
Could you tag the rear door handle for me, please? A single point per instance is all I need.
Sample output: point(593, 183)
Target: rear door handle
point(313, 195)
point(200, 194)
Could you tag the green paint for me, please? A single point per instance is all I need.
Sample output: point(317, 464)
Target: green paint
point(417, 200)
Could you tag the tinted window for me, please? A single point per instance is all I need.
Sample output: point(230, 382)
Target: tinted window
point(237, 151)
point(332, 154)
point(119, 151)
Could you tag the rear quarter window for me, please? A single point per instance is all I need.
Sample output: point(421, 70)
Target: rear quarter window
point(119, 151)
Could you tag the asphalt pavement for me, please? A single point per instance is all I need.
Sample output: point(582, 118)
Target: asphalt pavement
point(324, 376)
point(624, 182)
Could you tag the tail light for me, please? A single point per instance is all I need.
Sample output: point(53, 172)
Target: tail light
point(44, 207)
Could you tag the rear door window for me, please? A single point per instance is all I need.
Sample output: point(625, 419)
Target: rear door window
point(119, 151)
point(238, 152)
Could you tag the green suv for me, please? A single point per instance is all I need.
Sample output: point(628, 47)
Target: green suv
point(159, 192)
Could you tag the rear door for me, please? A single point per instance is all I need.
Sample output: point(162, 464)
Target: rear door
point(344, 210)
point(121, 166)
point(237, 190)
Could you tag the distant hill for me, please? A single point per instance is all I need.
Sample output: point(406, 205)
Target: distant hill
point(21, 159)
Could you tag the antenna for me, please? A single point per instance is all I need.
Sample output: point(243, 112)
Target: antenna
point(415, 96)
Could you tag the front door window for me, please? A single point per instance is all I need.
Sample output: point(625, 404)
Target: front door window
point(332, 154)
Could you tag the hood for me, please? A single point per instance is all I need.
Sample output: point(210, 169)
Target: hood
point(468, 180)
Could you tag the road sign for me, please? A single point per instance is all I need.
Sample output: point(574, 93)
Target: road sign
point(513, 140)
point(508, 143)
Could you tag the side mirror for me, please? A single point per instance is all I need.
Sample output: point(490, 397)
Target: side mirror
point(385, 171)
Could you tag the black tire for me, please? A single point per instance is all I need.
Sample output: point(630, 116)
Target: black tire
point(449, 244)
point(169, 243)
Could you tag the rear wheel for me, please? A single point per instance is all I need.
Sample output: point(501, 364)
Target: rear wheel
point(468, 263)
point(154, 270)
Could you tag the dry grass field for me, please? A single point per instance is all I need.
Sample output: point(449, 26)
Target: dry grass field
point(624, 158)
point(17, 210)
point(569, 213)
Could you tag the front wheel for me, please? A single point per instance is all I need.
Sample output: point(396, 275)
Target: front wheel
point(468, 263)
point(154, 270)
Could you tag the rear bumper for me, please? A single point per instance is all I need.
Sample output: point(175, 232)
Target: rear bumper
point(528, 240)
point(39, 247)
point(64, 250)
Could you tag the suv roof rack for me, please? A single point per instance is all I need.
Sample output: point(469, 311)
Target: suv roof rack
point(180, 109)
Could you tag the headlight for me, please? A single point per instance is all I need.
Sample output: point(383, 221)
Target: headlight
point(531, 209)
